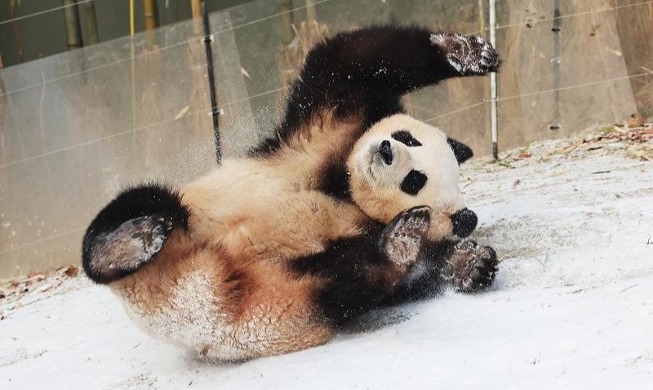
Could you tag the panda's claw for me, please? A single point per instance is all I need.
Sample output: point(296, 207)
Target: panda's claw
point(468, 55)
point(471, 267)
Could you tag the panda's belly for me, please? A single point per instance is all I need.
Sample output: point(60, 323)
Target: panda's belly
point(269, 208)
point(278, 318)
point(274, 220)
point(296, 225)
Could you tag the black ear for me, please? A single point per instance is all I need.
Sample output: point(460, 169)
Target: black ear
point(460, 150)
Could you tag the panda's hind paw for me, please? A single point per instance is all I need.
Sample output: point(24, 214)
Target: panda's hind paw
point(401, 240)
point(112, 255)
point(468, 55)
point(471, 267)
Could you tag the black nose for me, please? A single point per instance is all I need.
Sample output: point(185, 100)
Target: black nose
point(386, 152)
point(464, 222)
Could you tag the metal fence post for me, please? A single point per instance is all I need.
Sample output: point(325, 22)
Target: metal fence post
point(214, 100)
point(493, 84)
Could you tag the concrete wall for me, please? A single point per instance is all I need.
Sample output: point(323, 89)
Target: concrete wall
point(43, 34)
point(78, 126)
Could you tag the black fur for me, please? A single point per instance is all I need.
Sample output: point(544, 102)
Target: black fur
point(345, 266)
point(406, 138)
point(360, 272)
point(367, 70)
point(413, 182)
point(152, 207)
point(266, 147)
point(427, 279)
point(335, 181)
point(464, 266)
point(351, 269)
point(464, 222)
point(460, 150)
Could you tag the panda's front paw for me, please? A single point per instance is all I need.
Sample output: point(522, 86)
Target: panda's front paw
point(468, 55)
point(471, 267)
point(401, 240)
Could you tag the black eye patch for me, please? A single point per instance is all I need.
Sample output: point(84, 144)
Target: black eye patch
point(413, 182)
point(405, 138)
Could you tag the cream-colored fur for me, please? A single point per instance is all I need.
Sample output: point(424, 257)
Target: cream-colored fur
point(375, 186)
point(188, 297)
point(223, 288)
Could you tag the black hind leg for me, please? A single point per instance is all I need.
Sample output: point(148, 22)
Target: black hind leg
point(358, 273)
point(130, 231)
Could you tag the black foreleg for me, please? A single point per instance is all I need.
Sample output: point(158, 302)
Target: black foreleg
point(464, 266)
point(368, 70)
point(358, 273)
point(363, 74)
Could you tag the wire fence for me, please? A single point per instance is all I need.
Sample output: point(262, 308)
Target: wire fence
point(151, 51)
point(530, 94)
point(197, 39)
point(47, 11)
point(250, 93)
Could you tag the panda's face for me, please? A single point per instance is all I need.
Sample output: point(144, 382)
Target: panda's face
point(401, 163)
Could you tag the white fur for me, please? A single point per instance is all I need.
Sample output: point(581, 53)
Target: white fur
point(376, 185)
point(186, 320)
point(195, 319)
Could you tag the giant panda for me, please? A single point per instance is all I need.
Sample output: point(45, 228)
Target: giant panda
point(270, 253)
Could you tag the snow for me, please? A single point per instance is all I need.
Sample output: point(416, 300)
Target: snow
point(571, 307)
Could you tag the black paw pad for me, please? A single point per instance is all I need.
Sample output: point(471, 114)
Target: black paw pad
point(468, 55)
point(402, 238)
point(471, 267)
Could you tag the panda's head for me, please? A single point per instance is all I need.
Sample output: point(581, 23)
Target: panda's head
point(400, 163)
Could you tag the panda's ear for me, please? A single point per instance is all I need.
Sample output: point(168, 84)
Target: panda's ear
point(460, 150)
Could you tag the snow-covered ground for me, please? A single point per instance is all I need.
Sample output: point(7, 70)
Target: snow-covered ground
point(572, 307)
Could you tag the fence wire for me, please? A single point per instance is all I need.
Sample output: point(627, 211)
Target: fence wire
point(205, 110)
point(47, 11)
